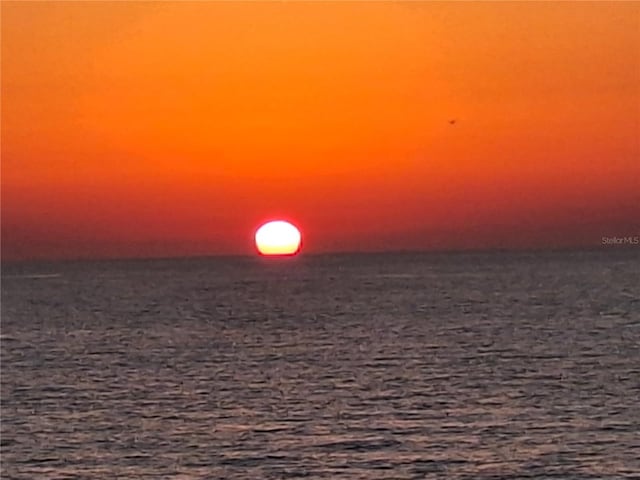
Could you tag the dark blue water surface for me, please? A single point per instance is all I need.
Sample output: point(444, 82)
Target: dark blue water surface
point(458, 366)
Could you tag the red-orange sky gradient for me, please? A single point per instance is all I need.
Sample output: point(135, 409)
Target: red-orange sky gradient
point(159, 129)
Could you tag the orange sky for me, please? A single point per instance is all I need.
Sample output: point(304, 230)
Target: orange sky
point(139, 128)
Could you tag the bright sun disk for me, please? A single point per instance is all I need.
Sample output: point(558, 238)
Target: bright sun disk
point(278, 238)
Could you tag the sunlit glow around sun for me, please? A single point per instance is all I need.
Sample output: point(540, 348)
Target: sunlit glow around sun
point(278, 238)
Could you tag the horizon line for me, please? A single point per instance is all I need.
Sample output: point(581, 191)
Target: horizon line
point(407, 251)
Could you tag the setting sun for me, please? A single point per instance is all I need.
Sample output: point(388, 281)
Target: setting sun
point(278, 238)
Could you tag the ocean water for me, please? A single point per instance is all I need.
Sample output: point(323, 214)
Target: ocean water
point(454, 366)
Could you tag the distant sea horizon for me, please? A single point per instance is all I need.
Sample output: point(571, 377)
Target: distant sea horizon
point(346, 252)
